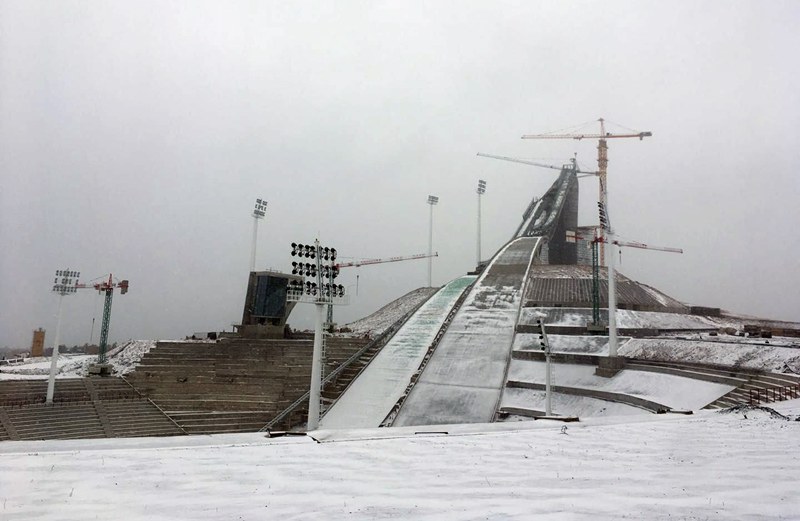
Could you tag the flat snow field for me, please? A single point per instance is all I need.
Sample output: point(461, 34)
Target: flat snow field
point(707, 466)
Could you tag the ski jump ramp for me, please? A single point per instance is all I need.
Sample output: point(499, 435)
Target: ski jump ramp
point(463, 380)
point(370, 398)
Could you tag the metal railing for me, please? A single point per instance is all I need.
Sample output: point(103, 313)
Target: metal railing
point(383, 337)
point(774, 394)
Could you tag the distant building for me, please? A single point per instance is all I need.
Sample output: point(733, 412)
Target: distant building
point(37, 346)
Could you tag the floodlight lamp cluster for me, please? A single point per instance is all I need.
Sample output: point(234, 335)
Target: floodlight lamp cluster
point(310, 251)
point(260, 209)
point(65, 281)
point(314, 289)
point(432, 200)
point(481, 187)
point(310, 270)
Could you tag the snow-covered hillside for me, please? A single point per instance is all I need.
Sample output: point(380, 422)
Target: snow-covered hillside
point(379, 321)
point(123, 359)
point(708, 466)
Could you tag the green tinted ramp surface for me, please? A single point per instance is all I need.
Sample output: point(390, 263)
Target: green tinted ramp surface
point(373, 394)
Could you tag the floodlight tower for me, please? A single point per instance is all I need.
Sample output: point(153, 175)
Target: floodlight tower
point(319, 293)
point(432, 201)
point(481, 190)
point(258, 213)
point(64, 284)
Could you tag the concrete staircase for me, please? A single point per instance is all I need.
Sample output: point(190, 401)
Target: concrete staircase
point(82, 408)
point(235, 385)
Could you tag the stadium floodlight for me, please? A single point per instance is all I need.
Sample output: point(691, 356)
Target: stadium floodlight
point(480, 191)
point(259, 211)
point(432, 201)
point(65, 283)
point(319, 293)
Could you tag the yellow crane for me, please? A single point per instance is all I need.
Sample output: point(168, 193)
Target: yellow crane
point(606, 233)
point(602, 149)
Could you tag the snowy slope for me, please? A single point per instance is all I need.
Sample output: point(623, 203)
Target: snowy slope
point(673, 391)
point(123, 359)
point(709, 466)
point(734, 353)
point(379, 321)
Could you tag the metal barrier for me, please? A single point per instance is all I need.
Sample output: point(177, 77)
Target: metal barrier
point(774, 394)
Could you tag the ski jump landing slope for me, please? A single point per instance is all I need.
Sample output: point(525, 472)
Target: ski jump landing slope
point(370, 398)
point(463, 379)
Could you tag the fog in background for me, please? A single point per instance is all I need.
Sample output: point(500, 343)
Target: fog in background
point(135, 137)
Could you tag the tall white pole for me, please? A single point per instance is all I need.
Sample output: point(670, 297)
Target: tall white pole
point(253, 245)
point(548, 408)
point(316, 361)
point(430, 247)
point(51, 382)
point(478, 261)
point(612, 295)
point(316, 370)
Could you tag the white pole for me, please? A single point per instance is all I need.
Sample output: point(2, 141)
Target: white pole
point(51, 382)
point(316, 371)
point(316, 361)
point(478, 262)
point(548, 409)
point(612, 296)
point(253, 246)
point(430, 247)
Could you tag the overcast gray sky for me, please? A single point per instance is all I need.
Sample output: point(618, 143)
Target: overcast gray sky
point(135, 136)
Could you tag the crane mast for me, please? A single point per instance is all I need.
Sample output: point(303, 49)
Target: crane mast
point(106, 288)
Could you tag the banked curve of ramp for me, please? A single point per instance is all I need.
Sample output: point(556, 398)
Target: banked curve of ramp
point(464, 377)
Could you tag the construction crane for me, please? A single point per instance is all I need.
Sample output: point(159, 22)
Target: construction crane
point(364, 262)
point(573, 164)
point(602, 149)
point(612, 296)
point(606, 233)
point(107, 288)
point(367, 262)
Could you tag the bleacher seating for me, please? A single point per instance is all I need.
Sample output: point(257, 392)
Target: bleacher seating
point(82, 408)
point(235, 385)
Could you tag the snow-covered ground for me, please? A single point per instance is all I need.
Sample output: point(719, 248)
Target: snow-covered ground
point(382, 319)
point(673, 391)
point(735, 353)
point(123, 359)
point(706, 466)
